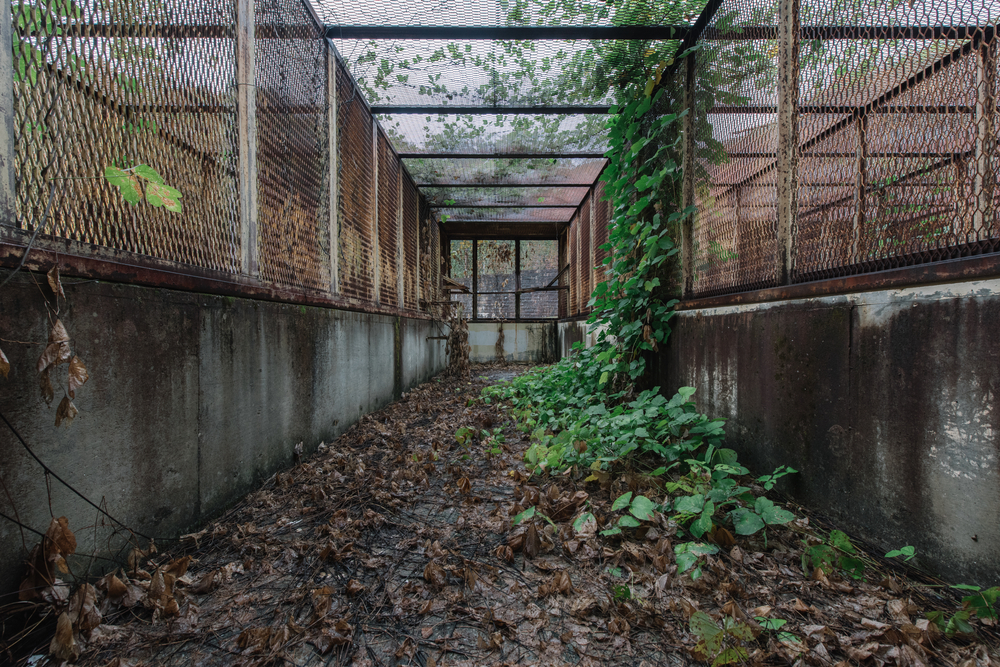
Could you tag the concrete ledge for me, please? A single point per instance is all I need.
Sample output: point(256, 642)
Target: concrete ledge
point(886, 402)
point(525, 342)
point(192, 399)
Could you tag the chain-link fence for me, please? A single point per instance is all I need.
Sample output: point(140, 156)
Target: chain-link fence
point(287, 182)
point(884, 158)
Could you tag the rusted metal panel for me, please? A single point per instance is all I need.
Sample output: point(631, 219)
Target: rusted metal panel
point(388, 212)
point(968, 268)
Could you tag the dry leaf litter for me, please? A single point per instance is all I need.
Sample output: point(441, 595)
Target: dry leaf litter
point(394, 546)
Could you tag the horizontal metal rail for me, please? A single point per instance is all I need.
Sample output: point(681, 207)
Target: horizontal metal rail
point(489, 109)
point(504, 156)
point(504, 33)
point(510, 206)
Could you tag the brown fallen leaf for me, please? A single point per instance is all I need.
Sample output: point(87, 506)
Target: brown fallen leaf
point(83, 612)
point(4, 364)
point(206, 584)
point(354, 587)
point(426, 632)
point(66, 412)
point(48, 556)
point(618, 626)
point(78, 375)
point(54, 283)
point(114, 588)
point(532, 544)
point(57, 351)
point(558, 583)
point(464, 485)
point(64, 645)
point(435, 575)
point(721, 536)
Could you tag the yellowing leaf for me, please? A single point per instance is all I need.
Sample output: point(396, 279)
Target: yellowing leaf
point(64, 645)
point(66, 412)
point(165, 196)
point(54, 283)
point(78, 375)
point(126, 182)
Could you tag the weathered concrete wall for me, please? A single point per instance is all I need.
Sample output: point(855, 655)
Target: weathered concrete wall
point(525, 342)
point(886, 402)
point(575, 331)
point(192, 399)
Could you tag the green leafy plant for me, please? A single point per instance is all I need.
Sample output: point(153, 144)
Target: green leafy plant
point(722, 643)
point(688, 556)
point(907, 552)
point(640, 508)
point(142, 181)
point(836, 553)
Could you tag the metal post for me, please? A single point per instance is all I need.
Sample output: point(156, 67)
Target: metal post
point(687, 186)
point(475, 281)
point(332, 146)
point(400, 283)
point(590, 255)
point(860, 189)
point(986, 139)
point(788, 137)
point(247, 101)
point(517, 279)
point(376, 274)
point(563, 259)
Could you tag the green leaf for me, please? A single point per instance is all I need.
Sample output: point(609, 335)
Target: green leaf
point(746, 522)
point(126, 183)
point(703, 627)
point(959, 624)
point(622, 501)
point(731, 655)
point(163, 195)
point(774, 516)
point(611, 531)
point(966, 587)
point(690, 504)
point(840, 540)
point(772, 624)
point(642, 508)
point(703, 523)
point(526, 514)
point(641, 433)
point(148, 173)
point(628, 522)
point(581, 520)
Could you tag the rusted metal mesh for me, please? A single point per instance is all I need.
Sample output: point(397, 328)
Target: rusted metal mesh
point(897, 142)
point(411, 263)
point(388, 222)
point(88, 98)
point(539, 267)
point(496, 280)
point(602, 218)
point(292, 154)
point(586, 255)
point(356, 176)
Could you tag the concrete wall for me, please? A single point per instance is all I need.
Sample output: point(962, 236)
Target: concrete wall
point(886, 402)
point(526, 342)
point(575, 331)
point(192, 399)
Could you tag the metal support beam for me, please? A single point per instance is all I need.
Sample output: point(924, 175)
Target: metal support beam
point(475, 280)
point(491, 186)
point(376, 256)
point(517, 279)
point(860, 188)
point(502, 156)
point(687, 185)
point(513, 206)
point(334, 169)
point(400, 273)
point(247, 101)
point(484, 109)
point(986, 137)
point(8, 187)
point(534, 33)
point(788, 137)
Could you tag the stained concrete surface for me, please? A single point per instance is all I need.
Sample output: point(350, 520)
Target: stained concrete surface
point(886, 403)
point(523, 342)
point(192, 399)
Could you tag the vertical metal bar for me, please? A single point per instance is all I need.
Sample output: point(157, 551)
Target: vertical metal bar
point(687, 185)
point(418, 288)
point(563, 277)
point(590, 256)
point(517, 279)
point(788, 137)
point(986, 138)
point(860, 188)
point(247, 101)
point(400, 282)
point(377, 258)
point(475, 280)
point(333, 147)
